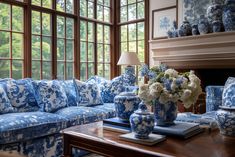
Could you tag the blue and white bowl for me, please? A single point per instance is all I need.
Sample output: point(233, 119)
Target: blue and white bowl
point(142, 122)
point(125, 104)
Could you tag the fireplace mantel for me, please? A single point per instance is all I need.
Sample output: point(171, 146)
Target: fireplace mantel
point(215, 50)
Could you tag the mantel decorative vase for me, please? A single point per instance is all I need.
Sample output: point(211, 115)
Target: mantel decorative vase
point(125, 104)
point(203, 25)
point(165, 114)
point(229, 15)
point(186, 27)
point(142, 122)
point(214, 11)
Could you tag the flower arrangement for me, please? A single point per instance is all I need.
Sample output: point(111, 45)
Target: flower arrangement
point(168, 85)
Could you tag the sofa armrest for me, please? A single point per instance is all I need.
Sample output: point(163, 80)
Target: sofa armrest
point(213, 97)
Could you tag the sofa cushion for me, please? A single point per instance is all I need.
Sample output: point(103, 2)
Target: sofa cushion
point(77, 115)
point(108, 108)
point(50, 95)
point(88, 94)
point(228, 97)
point(70, 90)
point(5, 105)
point(16, 127)
point(21, 95)
point(110, 89)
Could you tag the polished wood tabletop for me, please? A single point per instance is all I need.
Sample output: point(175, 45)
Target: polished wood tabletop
point(93, 138)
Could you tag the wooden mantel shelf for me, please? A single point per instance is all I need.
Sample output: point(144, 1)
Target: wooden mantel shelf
point(215, 50)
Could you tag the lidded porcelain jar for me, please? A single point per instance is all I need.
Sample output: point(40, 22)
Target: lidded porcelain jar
point(186, 27)
point(203, 25)
point(214, 11)
point(225, 116)
point(195, 29)
point(125, 104)
point(142, 122)
point(229, 15)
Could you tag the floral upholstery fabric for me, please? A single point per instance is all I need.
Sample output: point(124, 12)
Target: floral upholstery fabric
point(23, 126)
point(70, 90)
point(81, 115)
point(88, 94)
point(5, 105)
point(108, 108)
point(50, 95)
point(21, 95)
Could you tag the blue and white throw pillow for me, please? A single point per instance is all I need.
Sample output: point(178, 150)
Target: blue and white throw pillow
point(228, 97)
point(21, 94)
point(50, 95)
point(87, 93)
point(5, 105)
point(70, 90)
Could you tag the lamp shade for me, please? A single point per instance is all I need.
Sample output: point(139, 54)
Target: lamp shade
point(128, 58)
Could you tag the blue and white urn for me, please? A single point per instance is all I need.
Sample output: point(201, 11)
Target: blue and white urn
point(125, 104)
point(229, 15)
point(142, 122)
point(203, 25)
point(226, 115)
point(186, 27)
point(214, 11)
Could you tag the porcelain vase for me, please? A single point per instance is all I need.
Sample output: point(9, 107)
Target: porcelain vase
point(125, 104)
point(142, 122)
point(165, 114)
point(229, 15)
point(214, 11)
point(203, 25)
point(186, 27)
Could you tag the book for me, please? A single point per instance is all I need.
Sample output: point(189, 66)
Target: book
point(116, 128)
point(180, 129)
point(116, 121)
point(206, 120)
point(153, 139)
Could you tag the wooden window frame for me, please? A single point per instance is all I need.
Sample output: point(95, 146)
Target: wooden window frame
point(114, 37)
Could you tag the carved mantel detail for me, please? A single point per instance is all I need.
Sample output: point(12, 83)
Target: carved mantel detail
point(215, 50)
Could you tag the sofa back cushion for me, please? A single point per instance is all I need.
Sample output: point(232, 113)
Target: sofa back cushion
point(88, 94)
point(5, 105)
point(21, 95)
point(50, 95)
point(70, 90)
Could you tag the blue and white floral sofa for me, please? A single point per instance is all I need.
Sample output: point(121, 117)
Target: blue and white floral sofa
point(32, 113)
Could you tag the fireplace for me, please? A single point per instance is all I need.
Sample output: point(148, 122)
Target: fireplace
point(211, 56)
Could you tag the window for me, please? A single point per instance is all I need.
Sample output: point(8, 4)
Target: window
point(65, 47)
point(132, 27)
point(11, 41)
point(41, 45)
point(95, 45)
point(62, 39)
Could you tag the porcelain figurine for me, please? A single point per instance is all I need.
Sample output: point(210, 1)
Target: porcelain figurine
point(125, 104)
point(195, 29)
point(173, 33)
point(229, 15)
point(186, 27)
point(142, 122)
point(214, 11)
point(203, 25)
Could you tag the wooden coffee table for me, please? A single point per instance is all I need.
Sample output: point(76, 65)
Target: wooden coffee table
point(93, 138)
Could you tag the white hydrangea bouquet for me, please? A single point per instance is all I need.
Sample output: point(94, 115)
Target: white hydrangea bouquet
point(168, 85)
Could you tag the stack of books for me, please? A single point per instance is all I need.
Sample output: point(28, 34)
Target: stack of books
point(179, 129)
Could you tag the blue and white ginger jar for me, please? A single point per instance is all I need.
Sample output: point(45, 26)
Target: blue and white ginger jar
point(186, 27)
point(203, 25)
point(195, 29)
point(229, 15)
point(125, 104)
point(142, 122)
point(214, 11)
point(226, 115)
